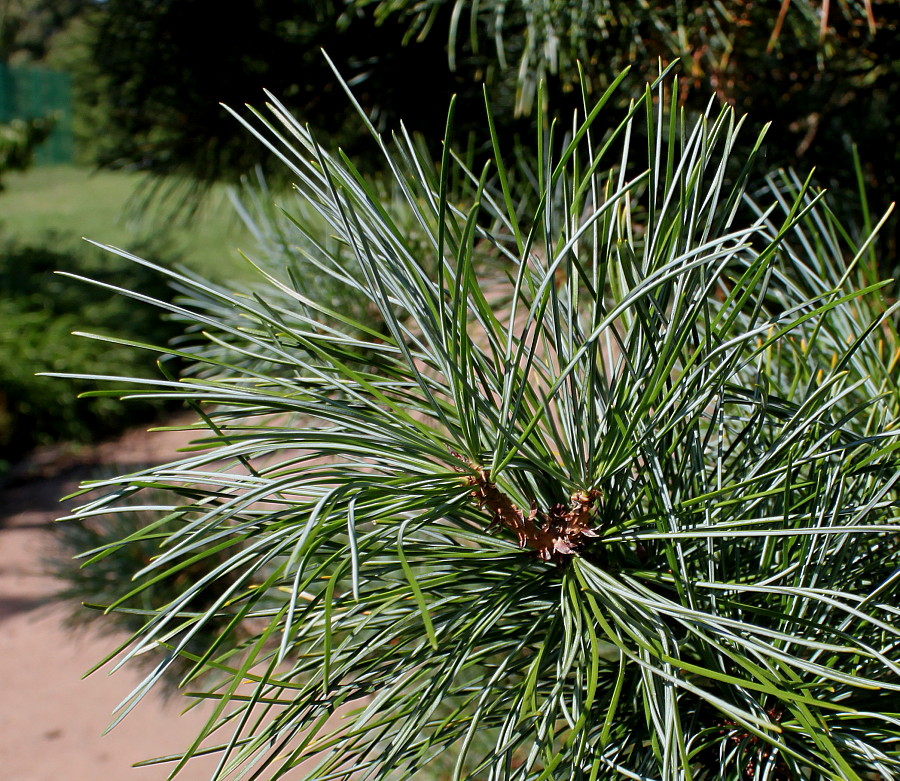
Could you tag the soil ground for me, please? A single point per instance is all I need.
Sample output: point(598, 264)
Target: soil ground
point(51, 720)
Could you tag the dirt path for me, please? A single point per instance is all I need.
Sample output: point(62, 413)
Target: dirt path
point(50, 719)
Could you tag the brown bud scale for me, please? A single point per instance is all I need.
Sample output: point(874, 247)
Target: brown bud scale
point(560, 533)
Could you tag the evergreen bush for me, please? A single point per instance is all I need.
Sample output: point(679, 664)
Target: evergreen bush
point(38, 313)
point(608, 492)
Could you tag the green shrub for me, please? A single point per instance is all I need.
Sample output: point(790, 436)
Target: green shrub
point(18, 140)
point(38, 312)
point(610, 492)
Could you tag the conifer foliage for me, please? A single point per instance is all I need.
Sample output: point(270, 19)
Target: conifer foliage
point(610, 491)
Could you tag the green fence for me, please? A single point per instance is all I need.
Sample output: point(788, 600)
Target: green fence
point(27, 93)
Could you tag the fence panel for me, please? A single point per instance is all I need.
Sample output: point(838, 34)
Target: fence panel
point(27, 93)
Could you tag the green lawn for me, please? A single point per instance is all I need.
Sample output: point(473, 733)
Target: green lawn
point(71, 202)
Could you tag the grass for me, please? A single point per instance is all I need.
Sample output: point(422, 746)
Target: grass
point(68, 202)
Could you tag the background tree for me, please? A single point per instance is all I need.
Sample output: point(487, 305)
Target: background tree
point(827, 73)
point(163, 89)
point(18, 140)
point(28, 27)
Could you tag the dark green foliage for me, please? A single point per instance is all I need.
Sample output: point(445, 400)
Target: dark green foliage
point(169, 63)
point(18, 140)
point(826, 75)
point(39, 310)
point(27, 27)
point(827, 81)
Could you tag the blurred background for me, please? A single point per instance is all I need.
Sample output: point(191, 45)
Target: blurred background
point(111, 128)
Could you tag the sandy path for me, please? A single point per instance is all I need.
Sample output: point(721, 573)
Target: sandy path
point(50, 719)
